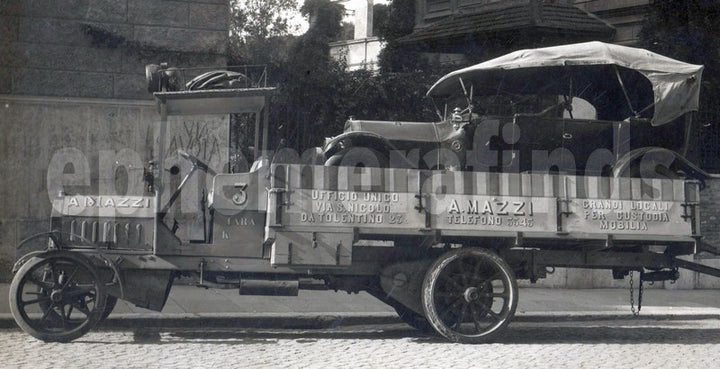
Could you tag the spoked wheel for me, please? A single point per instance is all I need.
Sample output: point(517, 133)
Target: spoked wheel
point(469, 295)
point(57, 298)
point(110, 303)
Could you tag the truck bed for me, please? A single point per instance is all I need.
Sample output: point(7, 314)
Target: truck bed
point(531, 210)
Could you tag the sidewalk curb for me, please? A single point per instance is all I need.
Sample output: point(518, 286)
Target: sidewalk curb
point(332, 320)
point(585, 317)
point(236, 320)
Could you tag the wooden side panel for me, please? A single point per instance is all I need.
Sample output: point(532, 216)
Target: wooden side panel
point(407, 201)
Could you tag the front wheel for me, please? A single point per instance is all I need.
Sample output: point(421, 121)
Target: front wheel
point(58, 297)
point(413, 319)
point(469, 295)
point(110, 303)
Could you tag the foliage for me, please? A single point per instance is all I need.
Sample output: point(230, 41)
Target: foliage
point(311, 77)
point(259, 35)
point(380, 18)
point(686, 30)
point(398, 57)
point(387, 96)
point(325, 18)
point(398, 22)
point(318, 94)
point(261, 19)
point(260, 31)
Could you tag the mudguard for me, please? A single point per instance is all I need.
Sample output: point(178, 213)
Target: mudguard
point(357, 139)
point(668, 158)
point(377, 146)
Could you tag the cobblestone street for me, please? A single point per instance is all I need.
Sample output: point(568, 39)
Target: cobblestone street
point(636, 343)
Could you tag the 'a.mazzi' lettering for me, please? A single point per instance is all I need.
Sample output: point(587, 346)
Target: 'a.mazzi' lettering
point(109, 202)
point(516, 208)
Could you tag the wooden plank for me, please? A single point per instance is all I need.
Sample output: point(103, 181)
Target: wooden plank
point(538, 185)
point(656, 188)
point(296, 174)
point(513, 184)
point(551, 185)
point(375, 180)
point(526, 184)
point(318, 178)
point(343, 182)
point(624, 189)
point(666, 189)
point(581, 187)
point(679, 190)
point(397, 180)
point(592, 184)
point(605, 187)
point(414, 181)
point(481, 183)
point(636, 188)
point(279, 176)
point(493, 184)
point(468, 179)
point(568, 187)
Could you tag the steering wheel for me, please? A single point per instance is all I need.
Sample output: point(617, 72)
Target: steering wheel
point(197, 162)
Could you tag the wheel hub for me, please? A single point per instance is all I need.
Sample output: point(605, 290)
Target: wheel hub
point(471, 294)
point(56, 296)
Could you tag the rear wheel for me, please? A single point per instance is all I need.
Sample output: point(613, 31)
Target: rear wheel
point(58, 297)
point(469, 295)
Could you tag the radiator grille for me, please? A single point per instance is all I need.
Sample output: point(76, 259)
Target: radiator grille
point(115, 233)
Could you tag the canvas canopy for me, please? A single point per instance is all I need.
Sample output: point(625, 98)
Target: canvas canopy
point(620, 81)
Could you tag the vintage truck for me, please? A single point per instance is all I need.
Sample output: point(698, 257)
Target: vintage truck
point(566, 156)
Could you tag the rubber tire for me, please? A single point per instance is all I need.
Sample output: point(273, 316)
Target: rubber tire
point(429, 285)
point(62, 337)
point(413, 319)
point(110, 303)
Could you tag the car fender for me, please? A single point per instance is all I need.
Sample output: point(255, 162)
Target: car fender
point(675, 160)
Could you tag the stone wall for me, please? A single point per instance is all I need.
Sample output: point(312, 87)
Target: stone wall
point(98, 48)
point(80, 145)
point(72, 77)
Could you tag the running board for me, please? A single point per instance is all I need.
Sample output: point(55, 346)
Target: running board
point(696, 267)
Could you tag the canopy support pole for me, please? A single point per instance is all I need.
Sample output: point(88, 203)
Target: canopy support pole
point(468, 97)
point(622, 86)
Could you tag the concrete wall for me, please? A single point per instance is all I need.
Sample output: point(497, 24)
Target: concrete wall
point(72, 78)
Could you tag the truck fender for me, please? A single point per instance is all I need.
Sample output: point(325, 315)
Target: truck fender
point(45, 253)
point(58, 249)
